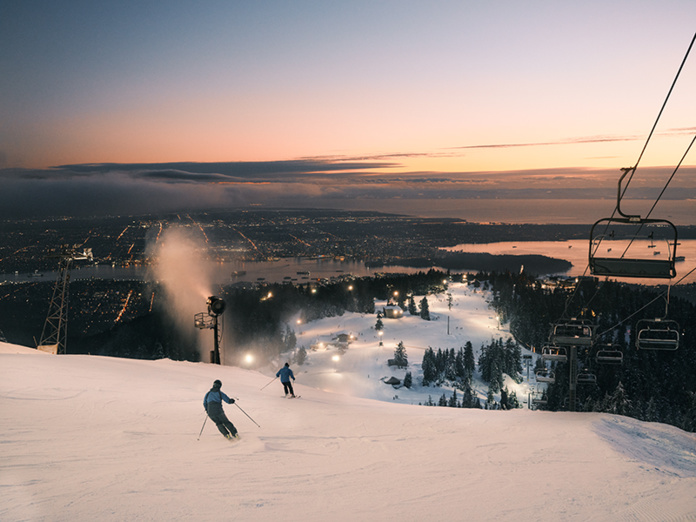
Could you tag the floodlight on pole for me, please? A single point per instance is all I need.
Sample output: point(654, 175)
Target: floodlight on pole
point(216, 307)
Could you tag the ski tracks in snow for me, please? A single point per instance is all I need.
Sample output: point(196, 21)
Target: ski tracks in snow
point(660, 447)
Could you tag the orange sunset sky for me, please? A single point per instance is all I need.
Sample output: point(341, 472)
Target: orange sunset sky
point(335, 103)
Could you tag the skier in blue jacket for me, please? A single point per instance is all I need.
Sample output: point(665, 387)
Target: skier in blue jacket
point(213, 407)
point(285, 374)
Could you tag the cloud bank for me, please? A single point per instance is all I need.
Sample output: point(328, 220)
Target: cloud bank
point(145, 188)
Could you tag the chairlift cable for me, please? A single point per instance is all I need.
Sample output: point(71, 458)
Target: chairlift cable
point(664, 104)
point(661, 193)
point(672, 176)
point(659, 296)
point(633, 169)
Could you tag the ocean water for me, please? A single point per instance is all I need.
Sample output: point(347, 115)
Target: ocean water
point(524, 211)
point(577, 252)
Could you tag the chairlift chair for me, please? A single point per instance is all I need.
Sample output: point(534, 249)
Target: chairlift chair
point(554, 353)
point(573, 333)
point(609, 355)
point(545, 375)
point(586, 377)
point(634, 266)
point(657, 334)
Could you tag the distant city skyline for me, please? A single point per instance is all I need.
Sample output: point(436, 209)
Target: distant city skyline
point(130, 108)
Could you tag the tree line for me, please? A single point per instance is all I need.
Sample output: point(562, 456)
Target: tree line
point(655, 386)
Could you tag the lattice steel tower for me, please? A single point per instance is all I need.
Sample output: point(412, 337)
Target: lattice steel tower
point(55, 329)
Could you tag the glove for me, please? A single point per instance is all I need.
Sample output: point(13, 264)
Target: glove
point(231, 401)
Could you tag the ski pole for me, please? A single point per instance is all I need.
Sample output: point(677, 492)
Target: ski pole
point(274, 378)
point(245, 413)
point(204, 421)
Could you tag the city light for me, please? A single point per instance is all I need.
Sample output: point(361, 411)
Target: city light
point(248, 358)
point(336, 358)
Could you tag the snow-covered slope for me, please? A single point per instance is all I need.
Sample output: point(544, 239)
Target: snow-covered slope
point(360, 369)
point(95, 438)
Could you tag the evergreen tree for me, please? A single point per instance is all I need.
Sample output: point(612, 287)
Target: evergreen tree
point(408, 380)
point(452, 403)
point(424, 309)
point(490, 400)
point(651, 414)
point(441, 363)
point(379, 325)
point(469, 361)
point(513, 359)
point(401, 301)
point(468, 397)
point(400, 356)
point(429, 367)
point(459, 370)
point(301, 356)
point(689, 419)
point(412, 309)
point(513, 402)
point(290, 339)
point(450, 365)
point(618, 402)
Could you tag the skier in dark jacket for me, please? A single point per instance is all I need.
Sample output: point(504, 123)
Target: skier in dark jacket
point(213, 407)
point(285, 374)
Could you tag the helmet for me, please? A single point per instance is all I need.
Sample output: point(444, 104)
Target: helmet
point(217, 384)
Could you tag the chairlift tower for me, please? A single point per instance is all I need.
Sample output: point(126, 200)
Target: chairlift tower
point(55, 330)
point(568, 337)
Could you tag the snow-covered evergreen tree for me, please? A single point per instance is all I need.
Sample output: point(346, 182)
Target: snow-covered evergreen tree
point(301, 356)
point(618, 401)
point(469, 360)
point(651, 413)
point(412, 308)
point(490, 400)
point(379, 325)
point(452, 402)
point(400, 356)
point(424, 309)
point(429, 367)
point(408, 380)
point(450, 365)
point(459, 370)
point(290, 339)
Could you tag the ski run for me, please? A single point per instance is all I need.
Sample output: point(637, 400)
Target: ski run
point(86, 438)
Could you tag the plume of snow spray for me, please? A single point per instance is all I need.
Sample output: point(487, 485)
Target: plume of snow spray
point(185, 273)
